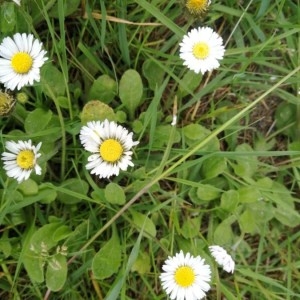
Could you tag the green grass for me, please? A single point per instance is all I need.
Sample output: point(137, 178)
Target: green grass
point(226, 174)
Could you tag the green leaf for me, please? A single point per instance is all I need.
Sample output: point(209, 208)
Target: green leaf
point(286, 215)
point(28, 187)
point(98, 195)
point(63, 101)
point(131, 90)
point(265, 183)
point(142, 221)
point(104, 88)
point(95, 110)
point(40, 242)
point(223, 234)
point(153, 73)
point(121, 116)
point(162, 135)
point(37, 120)
point(137, 126)
point(190, 227)
point(247, 222)
point(246, 164)
point(249, 194)
point(194, 133)
point(262, 211)
point(43, 238)
point(107, 261)
point(53, 83)
point(190, 80)
point(114, 194)
point(286, 116)
point(50, 195)
point(56, 274)
point(7, 17)
point(34, 266)
point(213, 167)
point(262, 144)
point(208, 192)
point(229, 200)
point(74, 185)
point(5, 246)
point(61, 233)
point(142, 265)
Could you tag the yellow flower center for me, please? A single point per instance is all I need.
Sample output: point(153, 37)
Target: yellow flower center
point(184, 276)
point(196, 6)
point(201, 50)
point(25, 159)
point(111, 150)
point(21, 62)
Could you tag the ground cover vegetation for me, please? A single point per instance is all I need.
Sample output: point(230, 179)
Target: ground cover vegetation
point(149, 149)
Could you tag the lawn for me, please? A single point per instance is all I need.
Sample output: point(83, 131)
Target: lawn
point(127, 145)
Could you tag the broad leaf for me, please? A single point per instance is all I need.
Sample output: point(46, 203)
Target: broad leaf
point(142, 221)
point(107, 261)
point(115, 194)
point(104, 88)
point(37, 120)
point(56, 274)
point(131, 90)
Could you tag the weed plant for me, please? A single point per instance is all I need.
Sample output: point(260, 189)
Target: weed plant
point(227, 173)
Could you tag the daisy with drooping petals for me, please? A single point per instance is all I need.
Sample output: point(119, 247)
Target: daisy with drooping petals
point(222, 258)
point(201, 49)
point(197, 7)
point(110, 144)
point(21, 58)
point(185, 277)
point(21, 160)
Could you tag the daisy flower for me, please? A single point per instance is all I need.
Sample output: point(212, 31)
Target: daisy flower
point(185, 277)
point(222, 258)
point(196, 7)
point(21, 58)
point(17, 2)
point(110, 144)
point(201, 49)
point(21, 160)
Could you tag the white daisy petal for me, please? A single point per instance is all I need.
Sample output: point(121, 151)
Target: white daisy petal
point(10, 45)
point(110, 144)
point(201, 49)
point(18, 2)
point(185, 277)
point(21, 160)
point(222, 258)
point(22, 57)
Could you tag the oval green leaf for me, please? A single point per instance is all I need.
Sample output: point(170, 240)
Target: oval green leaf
point(73, 185)
point(56, 273)
point(131, 90)
point(53, 83)
point(107, 261)
point(37, 120)
point(141, 221)
point(104, 88)
point(114, 194)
